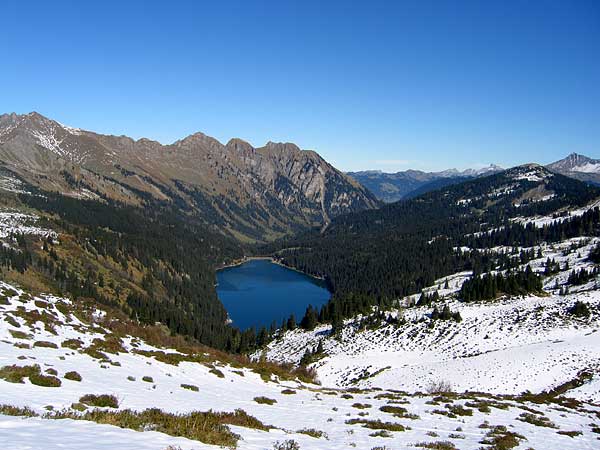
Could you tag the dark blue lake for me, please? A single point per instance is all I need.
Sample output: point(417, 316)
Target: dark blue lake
point(259, 292)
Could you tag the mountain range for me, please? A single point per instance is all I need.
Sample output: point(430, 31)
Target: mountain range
point(250, 193)
point(391, 187)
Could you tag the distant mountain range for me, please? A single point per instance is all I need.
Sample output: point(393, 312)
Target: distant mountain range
point(391, 187)
point(249, 193)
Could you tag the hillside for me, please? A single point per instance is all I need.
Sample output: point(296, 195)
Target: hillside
point(249, 193)
point(532, 342)
point(373, 257)
point(75, 375)
point(121, 256)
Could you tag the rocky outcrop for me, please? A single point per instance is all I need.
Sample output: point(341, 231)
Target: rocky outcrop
point(252, 193)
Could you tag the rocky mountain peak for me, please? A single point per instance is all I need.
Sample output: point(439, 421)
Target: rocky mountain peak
point(239, 145)
point(575, 162)
point(257, 193)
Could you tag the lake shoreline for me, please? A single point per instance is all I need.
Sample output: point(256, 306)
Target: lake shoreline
point(245, 259)
point(260, 293)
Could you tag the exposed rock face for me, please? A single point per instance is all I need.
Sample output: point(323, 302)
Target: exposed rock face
point(255, 193)
point(578, 166)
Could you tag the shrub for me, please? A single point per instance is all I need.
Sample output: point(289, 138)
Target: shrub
point(207, 427)
point(11, 321)
point(289, 444)
point(73, 376)
point(288, 392)
point(45, 344)
point(377, 424)
point(579, 309)
point(361, 405)
point(148, 379)
point(501, 439)
point(19, 334)
point(9, 410)
point(101, 401)
point(217, 372)
point(190, 387)
point(265, 400)
point(73, 344)
point(459, 410)
point(570, 433)
point(313, 433)
point(44, 380)
point(539, 421)
point(15, 374)
point(439, 387)
point(398, 411)
point(440, 445)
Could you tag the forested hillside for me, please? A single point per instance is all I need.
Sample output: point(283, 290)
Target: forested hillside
point(158, 264)
point(376, 256)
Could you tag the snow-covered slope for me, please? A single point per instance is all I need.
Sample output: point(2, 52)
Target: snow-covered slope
point(61, 337)
point(505, 347)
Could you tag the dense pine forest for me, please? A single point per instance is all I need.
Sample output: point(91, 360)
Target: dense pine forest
point(161, 263)
point(374, 257)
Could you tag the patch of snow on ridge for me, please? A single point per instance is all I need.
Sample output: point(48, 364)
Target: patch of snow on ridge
point(587, 168)
point(532, 175)
point(12, 222)
point(12, 184)
point(541, 221)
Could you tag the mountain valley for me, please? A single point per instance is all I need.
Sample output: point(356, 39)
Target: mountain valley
point(463, 317)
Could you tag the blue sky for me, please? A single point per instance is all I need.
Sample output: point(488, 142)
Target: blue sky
point(369, 85)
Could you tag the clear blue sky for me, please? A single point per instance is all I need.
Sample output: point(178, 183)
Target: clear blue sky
point(369, 85)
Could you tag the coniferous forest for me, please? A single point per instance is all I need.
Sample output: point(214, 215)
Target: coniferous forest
point(367, 259)
point(374, 257)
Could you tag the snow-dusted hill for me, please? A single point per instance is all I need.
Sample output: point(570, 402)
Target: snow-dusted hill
point(505, 347)
point(55, 337)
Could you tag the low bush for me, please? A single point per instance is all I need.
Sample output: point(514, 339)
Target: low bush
point(45, 344)
point(499, 438)
point(73, 344)
point(289, 444)
point(265, 400)
point(101, 401)
point(217, 372)
point(44, 380)
point(361, 405)
point(313, 433)
point(398, 411)
point(538, 421)
point(9, 410)
point(73, 376)
point(439, 445)
point(15, 374)
point(207, 427)
point(377, 424)
point(190, 387)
